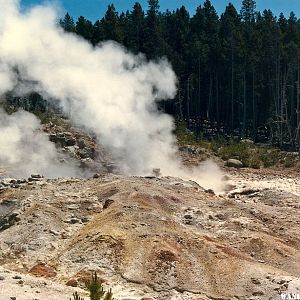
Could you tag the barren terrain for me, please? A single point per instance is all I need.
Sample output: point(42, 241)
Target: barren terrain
point(157, 238)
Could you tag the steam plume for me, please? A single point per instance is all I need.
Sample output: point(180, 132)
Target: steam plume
point(106, 89)
point(24, 149)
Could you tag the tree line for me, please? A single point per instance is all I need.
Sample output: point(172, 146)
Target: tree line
point(238, 72)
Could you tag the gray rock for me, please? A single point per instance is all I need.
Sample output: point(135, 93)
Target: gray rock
point(53, 138)
point(188, 217)
point(85, 153)
point(233, 163)
point(54, 232)
point(70, 142)
point(81, 144)
point(255, 280)
point(108, 203)
point(247, 141)
point(258, 293)
point(73, 221)
point(9, 220)
point(68, 134)
point(36, 176)
point(189, 149)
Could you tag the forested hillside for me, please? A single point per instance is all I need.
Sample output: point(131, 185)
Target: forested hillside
point(238, 72)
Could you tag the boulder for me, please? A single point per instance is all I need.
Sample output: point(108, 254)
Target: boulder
point(189, 149)
point(70, 141)
point(233, 163)
point(68, 135)
point(37, 176)
point(108, 203)
point(9, 220)
point(87, 152)
point(72, 283)
point(81, 143)
point(43, 270)
point(53, 137)
point(247, 141)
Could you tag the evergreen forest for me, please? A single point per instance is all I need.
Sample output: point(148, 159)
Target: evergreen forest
point(238, 72)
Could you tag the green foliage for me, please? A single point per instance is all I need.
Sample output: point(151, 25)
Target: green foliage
point(240, 151)
point(8, 108)
point(269, 157)
point(111, 25)
point(289, 162)
point(109, 295)
point(248, 11)
point(67, 23)
point(239, 71)
point(84, 28)
point(184, 136)
point(250, 155)
point(95, 288)
point(76, 297)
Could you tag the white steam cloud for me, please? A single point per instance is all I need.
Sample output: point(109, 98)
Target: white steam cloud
point(24, 149)
point(105, 89)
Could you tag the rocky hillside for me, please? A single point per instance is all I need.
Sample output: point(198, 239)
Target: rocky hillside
point(150, 238)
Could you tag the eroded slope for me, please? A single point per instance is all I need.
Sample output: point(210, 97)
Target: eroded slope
point(153, 237)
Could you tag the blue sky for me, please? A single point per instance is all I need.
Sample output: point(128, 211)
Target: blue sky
point(94, 9)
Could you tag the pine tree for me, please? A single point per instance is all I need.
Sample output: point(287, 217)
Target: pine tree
point(241, 70)
point(67, 23)
point(231, 41)
point(154, 44)
point(95, 288)
point(98, 33)
point(84, 28)
point(153, 7)
point(134, 37)
point(111, 26)
point(248, 11)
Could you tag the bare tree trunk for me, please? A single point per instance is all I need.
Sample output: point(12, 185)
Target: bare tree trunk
point(298, 106)
point(209, 97)
point(232, 88)
point(278, 99)
point(281, 118)
point(284, 110)
point(244, 106)
point(179, 102)
point(199, 85)
point(217, 102)
point(188, 101)
point(253, 104)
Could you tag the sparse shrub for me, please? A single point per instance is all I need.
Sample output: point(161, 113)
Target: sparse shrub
point(109, 295)
point(238, 151)
point(269, 157)
point(183, 134)
point(76, 297)
point(248, 153)
point(289, 162)
point(255, 163)
point(217, 144)
point(96, 290)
